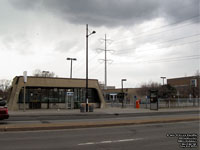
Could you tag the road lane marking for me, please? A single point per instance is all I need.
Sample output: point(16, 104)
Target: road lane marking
point(127, 140)
point(89, 143)
point(107, 142)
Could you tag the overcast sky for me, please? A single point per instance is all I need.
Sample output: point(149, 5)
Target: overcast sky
point(148, 38)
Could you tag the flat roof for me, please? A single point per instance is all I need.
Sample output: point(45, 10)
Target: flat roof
point(58, 78)
point(183, 77)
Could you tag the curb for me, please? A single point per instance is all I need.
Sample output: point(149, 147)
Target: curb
point(76, 125)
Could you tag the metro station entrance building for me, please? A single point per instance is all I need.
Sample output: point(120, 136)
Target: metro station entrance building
point(53, 93)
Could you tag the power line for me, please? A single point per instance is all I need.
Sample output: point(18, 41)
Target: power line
point(172, 59)
point(182, 44)
point(141, 34)
point(173, 40)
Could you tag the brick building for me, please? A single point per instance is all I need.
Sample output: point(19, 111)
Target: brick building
point(186, 86)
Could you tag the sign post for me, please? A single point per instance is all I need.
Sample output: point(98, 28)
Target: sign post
point(178, 98)
point(146, 101)
point(153, 99)
point(25, 80)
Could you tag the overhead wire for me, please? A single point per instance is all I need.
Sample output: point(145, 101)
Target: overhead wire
point(141, 34)
point(172, 59)
point(138, 36)
point(150, 50)
point(164, 41)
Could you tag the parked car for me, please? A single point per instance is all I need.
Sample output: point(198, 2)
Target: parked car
point(3, 110)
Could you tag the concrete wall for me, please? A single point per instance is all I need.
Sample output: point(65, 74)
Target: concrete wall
point(18, 84)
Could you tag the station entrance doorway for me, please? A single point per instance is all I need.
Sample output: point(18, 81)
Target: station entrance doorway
point(69, 100)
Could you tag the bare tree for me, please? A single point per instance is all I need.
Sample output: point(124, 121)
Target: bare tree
point(4, 88)
point(39, 73)
point(164, 91)
point(4, 84)
point(197, 73)
point(145, 87)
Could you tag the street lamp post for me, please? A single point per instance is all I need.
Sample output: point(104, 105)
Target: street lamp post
point(71, 59)
point(45, 73)
point(163, 78)
point(87, 35)
point(123, 92)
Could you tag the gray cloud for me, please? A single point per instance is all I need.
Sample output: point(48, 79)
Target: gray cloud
point(22, 44)
point(64, 46)
point(113, 12)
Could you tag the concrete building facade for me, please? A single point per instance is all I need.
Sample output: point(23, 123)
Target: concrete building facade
point(51, 93)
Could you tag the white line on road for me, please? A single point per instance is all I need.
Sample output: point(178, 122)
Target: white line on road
point(107, 142)
point(127, 140)
point(89, 143)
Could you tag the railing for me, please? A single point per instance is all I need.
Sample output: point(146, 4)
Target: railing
point(162, 103)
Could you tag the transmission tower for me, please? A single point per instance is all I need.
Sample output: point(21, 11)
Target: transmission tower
point(105, 59)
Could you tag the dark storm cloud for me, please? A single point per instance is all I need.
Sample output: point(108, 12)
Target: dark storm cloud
point(113, 12)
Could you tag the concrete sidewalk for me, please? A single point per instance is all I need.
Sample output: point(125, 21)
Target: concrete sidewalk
point(110, 110)
point(71, 124)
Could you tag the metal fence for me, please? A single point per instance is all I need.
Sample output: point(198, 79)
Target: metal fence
point(162, 103)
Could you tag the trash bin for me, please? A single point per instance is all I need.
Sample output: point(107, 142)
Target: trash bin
point(91, 108)
point(82, 108)
point(137, 104)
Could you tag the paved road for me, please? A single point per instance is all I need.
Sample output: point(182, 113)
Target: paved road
point(140, 137)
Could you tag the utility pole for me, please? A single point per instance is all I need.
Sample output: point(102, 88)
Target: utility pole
point(105, 60)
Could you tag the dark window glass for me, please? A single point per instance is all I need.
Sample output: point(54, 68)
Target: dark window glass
point(57, 95)
point(61, 96)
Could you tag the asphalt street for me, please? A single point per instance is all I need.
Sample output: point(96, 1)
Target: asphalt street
point(140, 137)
